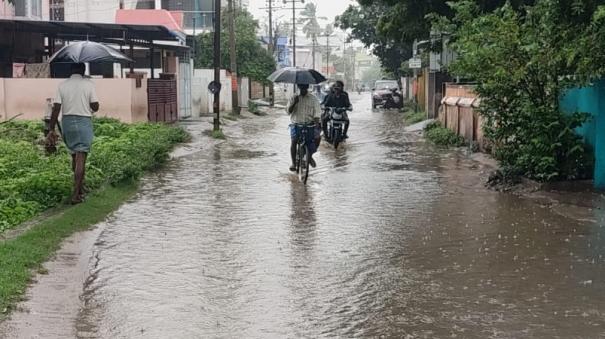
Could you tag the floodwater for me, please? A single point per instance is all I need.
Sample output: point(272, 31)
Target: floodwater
point(390, 238)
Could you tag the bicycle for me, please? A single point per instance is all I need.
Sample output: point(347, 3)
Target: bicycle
point(302, 151)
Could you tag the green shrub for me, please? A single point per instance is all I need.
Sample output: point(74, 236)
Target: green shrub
point(15, 211)
point(253, 107)
point(522, 62)
point(218, 134)
point(442, 136)
point(28, 131)
point(414, 117)
point(31, 182)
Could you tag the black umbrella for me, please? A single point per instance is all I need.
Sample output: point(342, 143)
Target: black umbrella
point(297, 75)
point(88, 51)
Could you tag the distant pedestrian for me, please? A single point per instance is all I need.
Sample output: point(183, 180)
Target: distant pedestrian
point(77, 98)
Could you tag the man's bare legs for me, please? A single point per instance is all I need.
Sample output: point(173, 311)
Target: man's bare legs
point(79, 168)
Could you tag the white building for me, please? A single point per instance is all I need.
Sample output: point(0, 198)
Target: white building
point(25, 9)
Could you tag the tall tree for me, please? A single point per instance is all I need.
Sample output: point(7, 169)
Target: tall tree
point(522, 62)
point(391, 26)
point(233, 60)
point(311, 26)
point(361, 22)
point(253, 60)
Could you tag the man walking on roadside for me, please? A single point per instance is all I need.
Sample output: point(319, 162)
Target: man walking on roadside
point(77, 98)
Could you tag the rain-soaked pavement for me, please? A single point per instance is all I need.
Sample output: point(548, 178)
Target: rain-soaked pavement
point(391, 238)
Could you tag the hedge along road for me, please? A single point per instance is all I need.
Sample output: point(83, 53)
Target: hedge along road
point(31, 182)
point(390, 237)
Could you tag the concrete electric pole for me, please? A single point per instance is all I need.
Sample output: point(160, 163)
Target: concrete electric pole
point(217, 64)
point(233, 56)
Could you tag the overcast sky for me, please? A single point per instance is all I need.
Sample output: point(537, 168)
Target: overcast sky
point(327, 8)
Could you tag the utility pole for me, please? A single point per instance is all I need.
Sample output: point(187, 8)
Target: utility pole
point(327, 34)
point(293, 2)
point(328, 55)
point(271, 44)
point(233, 57)
point(271, 51)
point(217, 63)
point(313, 50)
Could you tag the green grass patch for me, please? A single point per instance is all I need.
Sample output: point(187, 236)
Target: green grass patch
point(218, 134)
point(32, 182)
point(412, 117)
point(22, 257)
point(253, 107)
point(230, 116)
point(442, 136)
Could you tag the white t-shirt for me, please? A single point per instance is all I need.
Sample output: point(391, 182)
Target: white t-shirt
point(306, 110)
point(75, 96)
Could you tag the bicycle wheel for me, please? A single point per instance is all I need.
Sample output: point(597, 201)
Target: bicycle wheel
point(303, 174)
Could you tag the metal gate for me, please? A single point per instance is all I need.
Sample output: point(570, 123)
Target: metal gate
point(185, 74)
point(162, 100)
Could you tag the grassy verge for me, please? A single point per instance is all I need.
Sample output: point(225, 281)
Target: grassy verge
point(218, 134)
point(442, 136)
point(412, 117)
point(21, 257)
point(32, 182)
point(230, 116)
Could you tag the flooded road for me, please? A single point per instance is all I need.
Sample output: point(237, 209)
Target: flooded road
point(391, 238)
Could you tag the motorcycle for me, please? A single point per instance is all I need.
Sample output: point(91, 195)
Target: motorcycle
point(336, 125)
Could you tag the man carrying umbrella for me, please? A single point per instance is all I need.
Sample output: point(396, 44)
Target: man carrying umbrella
point(77, 98)
point(304, 109)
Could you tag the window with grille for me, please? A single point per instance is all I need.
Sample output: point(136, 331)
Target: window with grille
point(57, 10)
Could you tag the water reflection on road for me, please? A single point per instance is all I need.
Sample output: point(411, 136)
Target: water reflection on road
point(391, 237)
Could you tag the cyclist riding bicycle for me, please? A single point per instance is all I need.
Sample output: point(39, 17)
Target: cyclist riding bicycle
point(338, 98)
point(304, 109)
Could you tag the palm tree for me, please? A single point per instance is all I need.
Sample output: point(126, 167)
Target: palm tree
point(311, 25)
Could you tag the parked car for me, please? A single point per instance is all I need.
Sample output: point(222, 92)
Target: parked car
point(386, 94)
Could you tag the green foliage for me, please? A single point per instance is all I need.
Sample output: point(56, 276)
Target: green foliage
point(20, 257)
point(253, 60)
point(218, 134)
point(414, 117)
point(521, 64)
point(362, 22)
point(391, 26)
point(253, 107)
point(31, 182)
point(442, 136)
point(308, 17)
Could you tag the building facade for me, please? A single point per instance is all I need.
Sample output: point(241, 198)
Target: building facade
point(198, 14)
point(25, 9)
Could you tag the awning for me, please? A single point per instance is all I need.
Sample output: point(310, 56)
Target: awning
point(112, 33)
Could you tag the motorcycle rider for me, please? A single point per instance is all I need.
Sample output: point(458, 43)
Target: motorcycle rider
point(337, 98)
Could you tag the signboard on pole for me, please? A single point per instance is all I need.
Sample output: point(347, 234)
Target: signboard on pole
point(415, 63)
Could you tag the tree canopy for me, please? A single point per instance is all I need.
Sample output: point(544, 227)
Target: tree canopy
point(253, 60)
point(522, 62)
point(362, 22)
point(391, 26)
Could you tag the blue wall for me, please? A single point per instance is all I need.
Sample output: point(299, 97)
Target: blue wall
point(590, 99)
